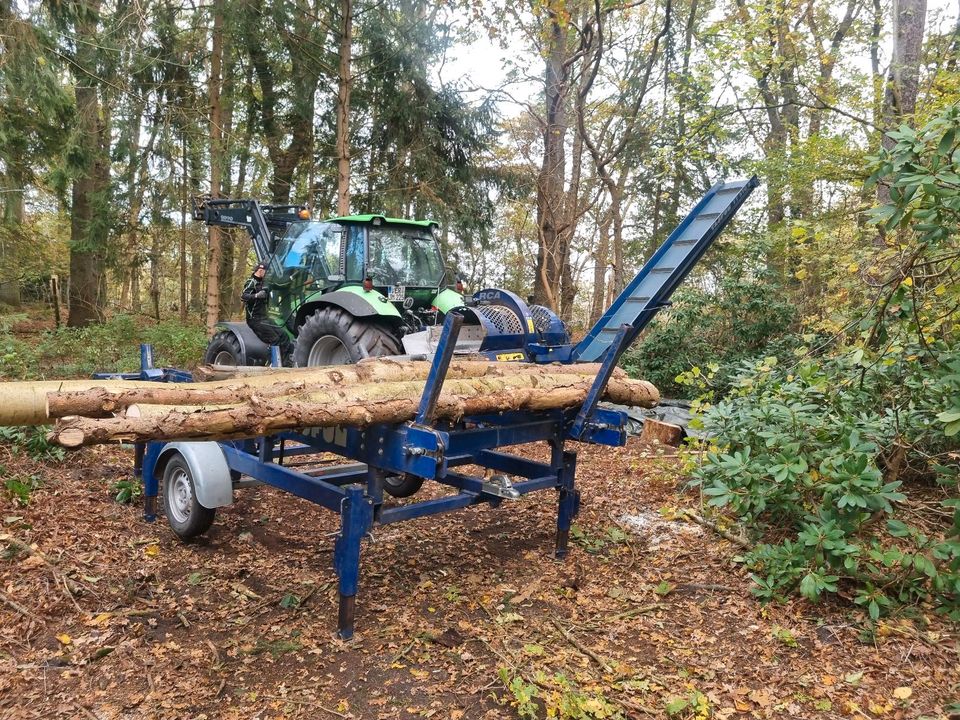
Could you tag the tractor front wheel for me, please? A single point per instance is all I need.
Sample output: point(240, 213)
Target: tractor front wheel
point(332, 336)
point(224, 349)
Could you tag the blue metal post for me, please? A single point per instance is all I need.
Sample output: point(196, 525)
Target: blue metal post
point(275, 359)
point(356, 519)
point(569, 503)
point(613, 354)
point(151, 486)
point(438, 369)
point(146, 356)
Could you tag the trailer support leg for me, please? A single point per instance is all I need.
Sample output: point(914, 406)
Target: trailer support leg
point(356, 518)
point(151, 486)
point(568, 504)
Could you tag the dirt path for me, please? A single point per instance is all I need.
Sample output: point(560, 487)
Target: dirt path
point(459, 616)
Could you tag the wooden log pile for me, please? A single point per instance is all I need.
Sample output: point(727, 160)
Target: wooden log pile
point(246, 404)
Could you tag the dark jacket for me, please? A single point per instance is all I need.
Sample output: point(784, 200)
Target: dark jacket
point(255, 298)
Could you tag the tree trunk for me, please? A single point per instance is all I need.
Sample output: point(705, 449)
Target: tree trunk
point(597, 306)
point(183, 228)
point(88, 227)
point(13, 219)
point(552, 170)
point(900, 96)
point(216, 165)
point(343, 108)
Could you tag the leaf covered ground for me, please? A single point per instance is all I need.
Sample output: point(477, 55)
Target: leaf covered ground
point(463, 615)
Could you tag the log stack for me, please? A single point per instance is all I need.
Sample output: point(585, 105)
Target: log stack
point(377, 390)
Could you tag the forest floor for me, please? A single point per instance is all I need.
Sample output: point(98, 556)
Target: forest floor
point(463, 615)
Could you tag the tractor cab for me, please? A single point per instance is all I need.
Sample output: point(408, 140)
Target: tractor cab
point(400, 257)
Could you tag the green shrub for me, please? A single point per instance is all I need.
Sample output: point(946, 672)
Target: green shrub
point(814, 460)
point(33, 439)
point(741, 319)
point(113, 346)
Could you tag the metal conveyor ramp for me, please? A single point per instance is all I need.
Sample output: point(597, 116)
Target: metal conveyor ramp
point(656, 281)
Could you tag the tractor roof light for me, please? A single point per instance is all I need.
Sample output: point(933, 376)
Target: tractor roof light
point(459, 286)
point(368, 284)
point(378, 221)
point(303, 214)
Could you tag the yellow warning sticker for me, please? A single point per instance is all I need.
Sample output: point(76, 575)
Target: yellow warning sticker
point(530, 325)
point(509, 357)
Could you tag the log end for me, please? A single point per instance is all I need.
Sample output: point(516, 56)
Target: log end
point(67, 437)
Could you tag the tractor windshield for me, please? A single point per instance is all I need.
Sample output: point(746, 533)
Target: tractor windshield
point(404, 256)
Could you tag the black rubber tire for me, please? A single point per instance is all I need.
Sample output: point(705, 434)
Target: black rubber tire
point(401, 486)
point(198, 518)
point(361, 337)
point(224, 343)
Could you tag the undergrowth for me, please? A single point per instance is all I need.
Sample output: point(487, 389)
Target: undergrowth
point(111, 347)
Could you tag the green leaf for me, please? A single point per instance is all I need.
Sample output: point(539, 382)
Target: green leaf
point(676, 705)
point(809, 588)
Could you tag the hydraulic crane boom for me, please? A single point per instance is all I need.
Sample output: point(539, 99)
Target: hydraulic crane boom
point(263, 222)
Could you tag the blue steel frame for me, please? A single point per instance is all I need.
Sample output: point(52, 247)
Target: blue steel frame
point(428, 450)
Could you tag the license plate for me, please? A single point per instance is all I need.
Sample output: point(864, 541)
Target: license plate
point(396, 293)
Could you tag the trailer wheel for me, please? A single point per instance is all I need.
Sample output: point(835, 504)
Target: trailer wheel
point(224, 349)
point(401, 486)
point(332, 336)
point(186, 516)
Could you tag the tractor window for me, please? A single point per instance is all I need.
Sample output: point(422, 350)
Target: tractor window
point(354, 252)
point(309, 252)
point(404, 256)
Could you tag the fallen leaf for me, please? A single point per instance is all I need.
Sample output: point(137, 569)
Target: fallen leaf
point(64, 639)
point(853, 678)
point(902, 693)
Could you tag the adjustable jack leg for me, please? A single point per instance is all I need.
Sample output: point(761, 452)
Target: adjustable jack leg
point(356, 518)
point(568, 503)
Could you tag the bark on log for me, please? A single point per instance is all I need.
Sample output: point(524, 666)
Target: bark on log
point(107, 400)
point(661, 432)
point(355, 405)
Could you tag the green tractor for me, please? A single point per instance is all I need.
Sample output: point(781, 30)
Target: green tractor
point(344, 289)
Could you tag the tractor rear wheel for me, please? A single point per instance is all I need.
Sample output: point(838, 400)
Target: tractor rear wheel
point(224, 349)
point(332, 336)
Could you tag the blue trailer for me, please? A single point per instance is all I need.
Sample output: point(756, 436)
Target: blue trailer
point(381, 460)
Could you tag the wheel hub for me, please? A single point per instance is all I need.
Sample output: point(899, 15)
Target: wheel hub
point(328, 350)
point(224, 358)
point(181, 496)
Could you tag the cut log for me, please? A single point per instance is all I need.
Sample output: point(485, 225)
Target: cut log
point(358, 405)
point(25, 402)
point(107, 400)
point(661, 432)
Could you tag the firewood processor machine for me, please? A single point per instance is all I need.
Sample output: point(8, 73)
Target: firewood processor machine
point(198, 477)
